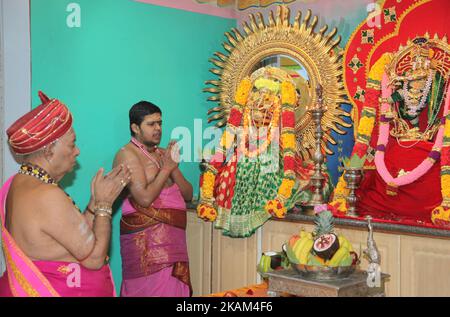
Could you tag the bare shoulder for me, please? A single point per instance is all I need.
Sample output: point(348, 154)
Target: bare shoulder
point(125, 155)
point(53, 201)
point(51, 193)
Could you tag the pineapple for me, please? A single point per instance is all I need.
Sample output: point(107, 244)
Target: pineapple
point(326, 243)
point(324, 223)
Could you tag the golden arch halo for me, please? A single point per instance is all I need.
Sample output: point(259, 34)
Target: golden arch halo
point(299, 41)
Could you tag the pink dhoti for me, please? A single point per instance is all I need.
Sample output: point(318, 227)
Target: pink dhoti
point(70, 280)
point(153, 247)
point(26, 278)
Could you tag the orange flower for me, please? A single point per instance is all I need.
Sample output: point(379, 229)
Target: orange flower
point(243, 91)
point(341, 188)
point(285, 189)
point(206, 212)
point(340, 204)
point(447, 128)
point(288, 141)
point(288, 93)
point(208, 185)
point(276, 208)
point(366, 125)
point(445, 185)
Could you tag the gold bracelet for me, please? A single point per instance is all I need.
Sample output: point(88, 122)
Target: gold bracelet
point(104, 209)
point(103, 205)
point(103, 214)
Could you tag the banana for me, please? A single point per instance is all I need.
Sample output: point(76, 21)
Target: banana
point(298, 246)
point(314, 260)
point(338, 256)
point(291, 255)
point(304, 233)
point(346, 260)
point(264, 264)
point(344, 242)
point(306, 251)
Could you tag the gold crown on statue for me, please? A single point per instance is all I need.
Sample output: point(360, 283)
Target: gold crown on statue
point(269, 72)
point(415, 60)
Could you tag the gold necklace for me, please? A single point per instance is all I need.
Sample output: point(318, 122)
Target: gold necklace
point(37, 172)
point(41, 174)
point(273, 124)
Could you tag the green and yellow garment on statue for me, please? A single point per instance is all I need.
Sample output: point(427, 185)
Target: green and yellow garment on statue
point(258, 179)
point(256, 182)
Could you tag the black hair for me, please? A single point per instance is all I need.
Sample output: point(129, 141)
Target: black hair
point(141, 109)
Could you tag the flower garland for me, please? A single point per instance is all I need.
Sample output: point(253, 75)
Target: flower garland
point(424, 167)
point(205, 208)
point(363, 137)
point(276, 207)
point(339, 202)
point(440, 216)
point(365, 127)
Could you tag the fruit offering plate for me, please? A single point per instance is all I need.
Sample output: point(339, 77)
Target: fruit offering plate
point(324, 273)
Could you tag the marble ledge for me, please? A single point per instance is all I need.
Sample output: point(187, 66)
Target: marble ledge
point(362, 225)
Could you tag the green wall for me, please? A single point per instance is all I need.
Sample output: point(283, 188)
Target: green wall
point(123, 52)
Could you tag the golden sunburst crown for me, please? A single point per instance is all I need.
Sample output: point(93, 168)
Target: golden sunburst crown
point(316, 51)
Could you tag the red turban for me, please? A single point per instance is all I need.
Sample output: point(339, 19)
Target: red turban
point(39, 127)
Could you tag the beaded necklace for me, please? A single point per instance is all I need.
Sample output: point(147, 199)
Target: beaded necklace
point(413, 109)
point(147, 154)
point(37, 172)
point(145, 151)
point(41, 174)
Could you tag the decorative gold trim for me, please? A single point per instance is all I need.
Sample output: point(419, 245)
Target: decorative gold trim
point(354, 111)
point(394, 33)
point(355, 114)
point(314, 50)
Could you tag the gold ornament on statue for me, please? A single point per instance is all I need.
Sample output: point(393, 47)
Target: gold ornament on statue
point(416, 73)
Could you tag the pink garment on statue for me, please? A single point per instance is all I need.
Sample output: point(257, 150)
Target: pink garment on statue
point(148, 255)
point(46, 278)
point(169, 197)
point(159, 284)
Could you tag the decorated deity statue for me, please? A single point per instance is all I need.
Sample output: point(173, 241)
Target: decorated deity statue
point(252, 174)
point(405, 119)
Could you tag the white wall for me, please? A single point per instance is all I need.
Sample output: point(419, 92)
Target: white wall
point(15, 55)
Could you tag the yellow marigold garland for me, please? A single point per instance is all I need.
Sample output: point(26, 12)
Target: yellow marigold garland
point(445, 185)
point(288, 140)
point(276, 208)
point(340, 204)
point(243, 91)
point(286, 187)
point(440, 216)
point(206, 212)
point(364, 133)
point(288, 93)
point(208, 185)
point(366, 125)
point(447, 129)
point(341, 189)
point(205, 208)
